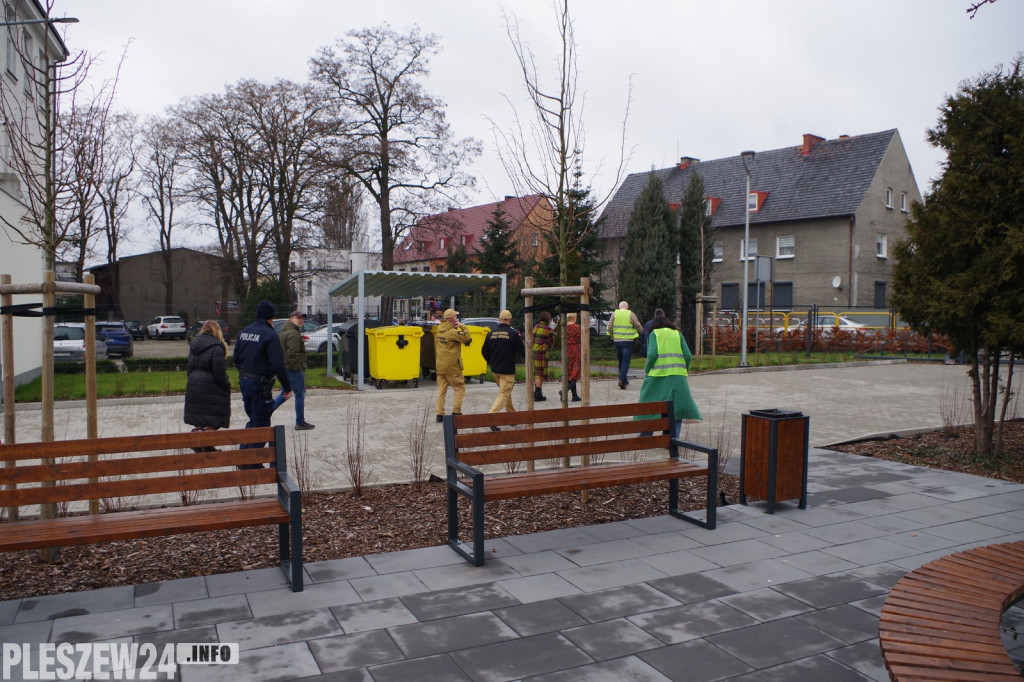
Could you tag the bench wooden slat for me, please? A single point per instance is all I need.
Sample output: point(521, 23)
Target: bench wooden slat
point(936, 661)
point(572, 431)
point(118, 444)
point(83, 530)
point(581, 478)
point(137, 486)
point(919, 630)
point(915, 674)
point(966, 582)
point(191, 461)
point(558, 450)
point(558, 414)
point(927, 590)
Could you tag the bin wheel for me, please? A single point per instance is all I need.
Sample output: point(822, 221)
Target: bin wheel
point(416, 383)
point(481, 378)
point(380, 384)
point(405, 382)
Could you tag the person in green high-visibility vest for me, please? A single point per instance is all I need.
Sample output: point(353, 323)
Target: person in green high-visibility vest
point(668, 362)
point(623, 327)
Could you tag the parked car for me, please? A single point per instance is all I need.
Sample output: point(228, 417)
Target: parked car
point(167, 327)
point(826, 323)
point(489, 322)
point(599, 323)
point(316, 341)
point(225, 329)
point(69, 343)
point(119, 341)
point(307, 325)
point(136, 329)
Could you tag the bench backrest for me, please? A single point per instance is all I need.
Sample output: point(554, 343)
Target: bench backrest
point(132, 466)
point(562, 432)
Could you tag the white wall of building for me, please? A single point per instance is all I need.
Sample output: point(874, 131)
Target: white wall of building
point(315, 271)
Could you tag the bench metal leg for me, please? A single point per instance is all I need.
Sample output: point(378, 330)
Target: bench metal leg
point(710, 514)
point(473, 553)
point(290, 543)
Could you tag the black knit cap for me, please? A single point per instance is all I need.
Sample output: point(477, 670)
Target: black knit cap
point(265, 311)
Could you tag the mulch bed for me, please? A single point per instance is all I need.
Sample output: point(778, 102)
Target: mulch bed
point(386, 518)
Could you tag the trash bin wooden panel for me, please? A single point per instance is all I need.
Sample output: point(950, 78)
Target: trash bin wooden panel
point(773, 464)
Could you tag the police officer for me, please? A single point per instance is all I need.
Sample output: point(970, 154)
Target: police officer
point(259, 358)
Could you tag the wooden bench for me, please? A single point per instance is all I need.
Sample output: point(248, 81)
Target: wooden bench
point(564, 433)
point(941, 621)
point(133, 468)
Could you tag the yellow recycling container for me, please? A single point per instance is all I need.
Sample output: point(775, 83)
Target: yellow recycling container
point(394, 354)
point(473, 363)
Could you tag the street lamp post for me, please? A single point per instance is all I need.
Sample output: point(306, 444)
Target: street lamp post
point(747, 157)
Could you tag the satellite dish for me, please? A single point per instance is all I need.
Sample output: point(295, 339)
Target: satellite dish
point(836, 281)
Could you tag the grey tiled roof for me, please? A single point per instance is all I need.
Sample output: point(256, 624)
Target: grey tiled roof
point(830, 181)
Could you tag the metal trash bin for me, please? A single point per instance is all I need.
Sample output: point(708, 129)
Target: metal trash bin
point(394, 354)
point(473, 363)
point(347, 366)
point(773, 459)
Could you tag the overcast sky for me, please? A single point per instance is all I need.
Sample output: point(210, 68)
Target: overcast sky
point(710, 77)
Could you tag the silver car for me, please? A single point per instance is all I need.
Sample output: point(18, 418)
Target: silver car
point(69, 343)
point(167, 327)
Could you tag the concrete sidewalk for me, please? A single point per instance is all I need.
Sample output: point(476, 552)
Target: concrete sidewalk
point(844, 402)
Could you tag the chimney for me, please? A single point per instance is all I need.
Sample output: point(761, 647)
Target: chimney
point(809, 142)
point(687, 161)
point(509, 198)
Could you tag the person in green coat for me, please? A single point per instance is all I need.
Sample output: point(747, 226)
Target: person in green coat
point(666, 370)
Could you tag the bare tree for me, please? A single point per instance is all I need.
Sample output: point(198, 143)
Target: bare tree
point(341, 214)
point(160, 188)
point(398, 143)
point(543, 152)
point(39, 110)
point(118, 189)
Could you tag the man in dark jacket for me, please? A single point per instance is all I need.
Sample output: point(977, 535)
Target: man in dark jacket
point(500, 349)
point(259, 358)
point(295, 362)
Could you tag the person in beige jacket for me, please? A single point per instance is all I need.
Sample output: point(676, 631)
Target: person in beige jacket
point(449, 337)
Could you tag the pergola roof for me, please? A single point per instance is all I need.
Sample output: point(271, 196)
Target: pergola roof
point(411, 284)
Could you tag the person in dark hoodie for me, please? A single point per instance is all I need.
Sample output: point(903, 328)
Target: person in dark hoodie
point(208, 390)
point(259, 358)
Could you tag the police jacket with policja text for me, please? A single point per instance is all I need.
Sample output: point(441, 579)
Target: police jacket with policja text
point(258, 352)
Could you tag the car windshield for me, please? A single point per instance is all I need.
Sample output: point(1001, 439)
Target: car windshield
point(68, 334)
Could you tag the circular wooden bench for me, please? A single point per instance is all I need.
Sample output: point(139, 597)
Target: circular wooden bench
point(941, 621)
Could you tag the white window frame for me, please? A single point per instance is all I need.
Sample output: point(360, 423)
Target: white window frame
point(751, 255)
point(785, 242)
point(707, 207)
point(462, 240)
point(882, 246)
point(903, 201)
point(888, 197)
point(533, 240)
point(443, 243)
point(718, 249)
point(752, 202)
point(11, 53)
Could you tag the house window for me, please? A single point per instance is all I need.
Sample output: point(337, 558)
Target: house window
point(880, 294)
point(903, 201)
point(730, 296)
point(719, 252)
point(309, 288)
point(888, 197)
point(533, 239)
point(10, 16)
point(309, 265)
point(782, 295)
point(881, 246)
point(444, 243)
point(707, 207)
point(751, 250)
point(785, 247)
point(28, 47)
point(462, 240)
point(291, 267)
point(752, 201)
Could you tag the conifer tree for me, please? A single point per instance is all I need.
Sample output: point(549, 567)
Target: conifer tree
point(585, 260)
point(696, 253)
point(500, 255)
point(648, 264)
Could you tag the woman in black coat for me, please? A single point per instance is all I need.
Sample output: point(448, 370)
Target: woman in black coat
point(208, 391)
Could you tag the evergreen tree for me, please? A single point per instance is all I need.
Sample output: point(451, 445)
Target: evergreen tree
point(959, 273)
point(268, 290)
point(500, 255)
point(648, 265)
point(696, 253)
point(584, 260)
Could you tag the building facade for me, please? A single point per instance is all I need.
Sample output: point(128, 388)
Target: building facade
point(26, 49)
point(313, 272)
point(824, 216)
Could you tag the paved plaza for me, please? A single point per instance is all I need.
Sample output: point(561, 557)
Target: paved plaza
point(794, 595)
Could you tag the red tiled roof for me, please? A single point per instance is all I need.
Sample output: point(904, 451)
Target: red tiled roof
point(453, 224)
